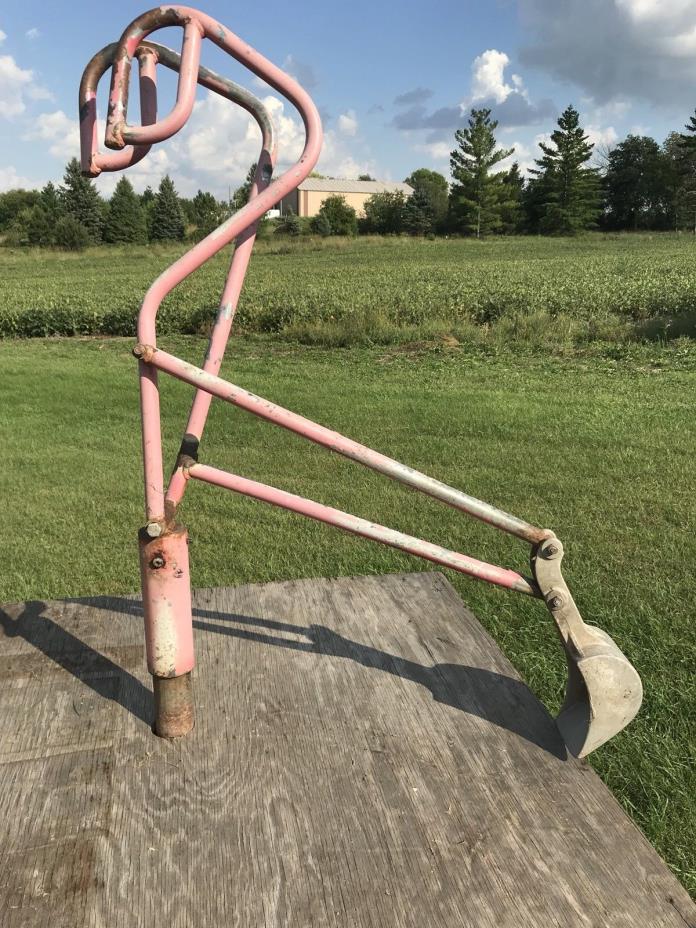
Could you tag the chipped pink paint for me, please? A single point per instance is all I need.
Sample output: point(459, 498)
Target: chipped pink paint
point(500, 576)
point(166, 585)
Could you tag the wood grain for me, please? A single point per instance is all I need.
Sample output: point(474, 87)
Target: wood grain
point(364, 756)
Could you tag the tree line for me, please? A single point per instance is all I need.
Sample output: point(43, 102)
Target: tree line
point(73, 215)
point(637, 185)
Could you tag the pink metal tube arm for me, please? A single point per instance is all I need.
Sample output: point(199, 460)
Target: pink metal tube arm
point(163, 545)
point(93, 162)
point(462, 563)
point(118, 131)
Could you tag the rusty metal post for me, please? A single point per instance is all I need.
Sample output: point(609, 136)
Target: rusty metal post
point(166, 586)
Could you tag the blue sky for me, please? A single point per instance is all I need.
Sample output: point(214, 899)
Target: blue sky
point(392, 81)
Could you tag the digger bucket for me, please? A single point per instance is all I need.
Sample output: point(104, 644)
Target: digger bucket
point(604, 691)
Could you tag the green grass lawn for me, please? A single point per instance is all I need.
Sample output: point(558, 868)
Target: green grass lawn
point(601, 451)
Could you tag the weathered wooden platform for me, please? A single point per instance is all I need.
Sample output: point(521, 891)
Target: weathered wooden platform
point(364, 755)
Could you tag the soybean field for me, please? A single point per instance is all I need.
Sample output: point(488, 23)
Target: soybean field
point(597, 288)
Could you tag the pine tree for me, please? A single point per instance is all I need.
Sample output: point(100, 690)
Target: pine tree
point(688, 142)
point(125, 221)
point(685, 165)
point(568, 191)
point(477, 196)
point(167, 219)
point(49, 201)
point(41, 227)
point(511, 213)
point(418, 213)
point(81, 201)
point(147, 197)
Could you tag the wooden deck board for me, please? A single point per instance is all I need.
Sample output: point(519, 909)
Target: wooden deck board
point(364, 757)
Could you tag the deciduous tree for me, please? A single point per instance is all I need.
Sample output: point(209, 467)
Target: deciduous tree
point(435, 187)
point(637, 185)
point(384, 213)
point(341, 217)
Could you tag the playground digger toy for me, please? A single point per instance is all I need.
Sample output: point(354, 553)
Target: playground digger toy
point(604, 690)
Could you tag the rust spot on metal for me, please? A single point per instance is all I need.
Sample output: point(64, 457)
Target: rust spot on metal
point(173, 706)
point(144, 352)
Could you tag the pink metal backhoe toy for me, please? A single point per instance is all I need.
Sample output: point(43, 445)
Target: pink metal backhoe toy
point(604, 691)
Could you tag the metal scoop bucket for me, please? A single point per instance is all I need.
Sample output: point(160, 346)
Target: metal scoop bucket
point(604, 691)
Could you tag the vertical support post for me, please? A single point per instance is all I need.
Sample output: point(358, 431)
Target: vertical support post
point(166, 585)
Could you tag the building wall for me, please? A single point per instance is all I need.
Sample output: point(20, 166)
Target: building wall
point(290, 203)
point(311, 200)
point(308, 202)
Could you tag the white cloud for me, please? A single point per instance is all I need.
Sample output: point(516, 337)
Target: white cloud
point(14, 82)
point(148, 173)
point(3, 36)
point(488, 77)
point(59, 130)
point(221, 141)
point(602, 137)
point(437, 151)
point(62, 136)
point(32, 33)
point(523, 154)
point(10, 179)
point(348, 123)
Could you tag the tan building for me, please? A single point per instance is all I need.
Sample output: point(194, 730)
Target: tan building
point(306, 200)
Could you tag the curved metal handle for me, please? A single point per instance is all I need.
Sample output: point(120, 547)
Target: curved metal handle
point(241, 226)
point(93, 162)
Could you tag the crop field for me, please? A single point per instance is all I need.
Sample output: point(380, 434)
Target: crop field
point(548, 292)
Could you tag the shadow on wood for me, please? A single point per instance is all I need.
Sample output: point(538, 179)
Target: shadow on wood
point(494, 697)
point(95, 669)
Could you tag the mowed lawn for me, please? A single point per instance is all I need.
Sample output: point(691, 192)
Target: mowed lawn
point(601, 451)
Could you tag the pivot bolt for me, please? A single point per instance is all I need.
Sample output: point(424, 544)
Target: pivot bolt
point(157, 562)
point(153, 529)
point(555, 602)
point(550, 550)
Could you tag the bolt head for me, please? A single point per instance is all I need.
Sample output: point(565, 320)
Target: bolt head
point(550, 550)
point(157, 562)
point(555, 602)
point(153, 529)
